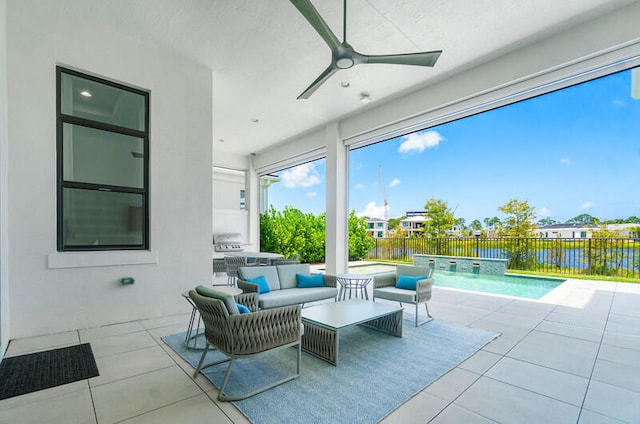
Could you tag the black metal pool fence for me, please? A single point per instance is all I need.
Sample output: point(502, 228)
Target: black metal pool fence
point(589, 256)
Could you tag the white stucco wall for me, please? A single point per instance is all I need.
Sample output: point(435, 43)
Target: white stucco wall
point(45, 300)
point(4, 255)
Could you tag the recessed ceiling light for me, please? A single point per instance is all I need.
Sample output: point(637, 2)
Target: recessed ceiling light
point(86, 93)
point(344, 84)
point(221, 140)
point(365, 98)
point(255, 120)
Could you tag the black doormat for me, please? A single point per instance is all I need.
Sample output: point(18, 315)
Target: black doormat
point(42, 370)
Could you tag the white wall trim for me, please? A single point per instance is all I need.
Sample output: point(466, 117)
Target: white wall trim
point(93, 259)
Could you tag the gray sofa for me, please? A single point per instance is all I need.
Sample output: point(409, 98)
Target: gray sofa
point(283, 285)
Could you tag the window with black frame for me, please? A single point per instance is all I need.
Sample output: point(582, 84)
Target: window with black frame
point(103, 164)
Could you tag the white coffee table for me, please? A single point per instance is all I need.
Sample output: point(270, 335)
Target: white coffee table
point(322, 324)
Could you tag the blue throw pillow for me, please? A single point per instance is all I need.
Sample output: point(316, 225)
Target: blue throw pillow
point(306, 281)
point(409, 282)
point(261, 281)
point(242, 309)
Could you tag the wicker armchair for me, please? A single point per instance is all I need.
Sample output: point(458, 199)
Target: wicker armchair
point(232, 263)
point(385, 287)
point(219, 266)
point(243, 335)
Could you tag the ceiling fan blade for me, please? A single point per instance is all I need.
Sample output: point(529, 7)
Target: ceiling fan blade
point(318, 82)
point(313, 17)
point(418, 59)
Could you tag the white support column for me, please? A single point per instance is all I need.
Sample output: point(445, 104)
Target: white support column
point(4, 186)
point(336, 250)
point(252, 203)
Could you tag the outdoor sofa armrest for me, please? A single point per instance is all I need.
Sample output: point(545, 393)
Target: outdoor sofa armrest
point(265, 329)
point(329, 280)
point(246, 286)
point(386, 279)
point(250, 300)
point(423, 290)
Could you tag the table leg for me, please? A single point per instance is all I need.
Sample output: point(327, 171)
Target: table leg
point(321, 342)
point(390, 324)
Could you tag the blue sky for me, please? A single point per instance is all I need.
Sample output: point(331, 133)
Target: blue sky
point(569, 152)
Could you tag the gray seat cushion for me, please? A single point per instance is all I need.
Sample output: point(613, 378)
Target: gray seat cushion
point(229, 300)
point(269, 272)
point(286, 297)
point(393, 293)
point(287, 274)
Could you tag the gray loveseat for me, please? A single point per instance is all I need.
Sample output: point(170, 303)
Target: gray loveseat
point(283, 285)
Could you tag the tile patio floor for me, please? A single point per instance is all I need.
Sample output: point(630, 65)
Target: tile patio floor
point(573, 357)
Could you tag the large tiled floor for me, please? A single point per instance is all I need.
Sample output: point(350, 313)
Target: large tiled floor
point(573, 357)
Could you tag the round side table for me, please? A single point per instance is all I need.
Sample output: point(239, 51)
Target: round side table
point(355, 283)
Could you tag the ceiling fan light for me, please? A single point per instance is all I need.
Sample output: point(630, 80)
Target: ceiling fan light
point(344, 63)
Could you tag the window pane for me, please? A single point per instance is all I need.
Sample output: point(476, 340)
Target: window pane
point(102, 218)
point(93, 100)
point(102, 157)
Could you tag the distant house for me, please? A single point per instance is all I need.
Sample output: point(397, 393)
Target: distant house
point(413, 223)
point(584, 230)
point(377, 227)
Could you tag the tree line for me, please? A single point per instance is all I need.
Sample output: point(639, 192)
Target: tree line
point(520, 221)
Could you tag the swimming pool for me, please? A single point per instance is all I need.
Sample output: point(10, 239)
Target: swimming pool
point(510, 285)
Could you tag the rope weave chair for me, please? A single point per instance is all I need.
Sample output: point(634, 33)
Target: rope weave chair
point(244, 335)
point(295, 259)
point(232, 263)
point(219, 266)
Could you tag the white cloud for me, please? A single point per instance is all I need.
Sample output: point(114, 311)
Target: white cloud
point(373, 211)
point(312, 194)
point(418, 142)
point(394, 182)
point(566, 161)
point(359, 186)
point(618, 102)
point(544, 212)
point(304, 175)
point(587, 205)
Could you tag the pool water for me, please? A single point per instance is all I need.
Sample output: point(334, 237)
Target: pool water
point(510, 285)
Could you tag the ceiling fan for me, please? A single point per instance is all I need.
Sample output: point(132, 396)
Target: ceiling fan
point(343, 56)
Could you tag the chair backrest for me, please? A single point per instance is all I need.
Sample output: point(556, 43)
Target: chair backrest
point(219, 265)
point(413, 270)
point(232, 263)
point(216, 321)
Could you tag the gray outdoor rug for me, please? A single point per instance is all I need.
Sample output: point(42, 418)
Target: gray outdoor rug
point(376, 373)
point(42, 370)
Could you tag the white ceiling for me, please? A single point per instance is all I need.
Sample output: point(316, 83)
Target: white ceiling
point(264, 53)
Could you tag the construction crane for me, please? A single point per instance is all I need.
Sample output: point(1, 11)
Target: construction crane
point(384, 196)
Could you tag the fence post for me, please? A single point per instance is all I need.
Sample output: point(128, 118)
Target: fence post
point(589, 257)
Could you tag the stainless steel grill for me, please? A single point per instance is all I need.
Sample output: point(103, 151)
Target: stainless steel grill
point(228, 242)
